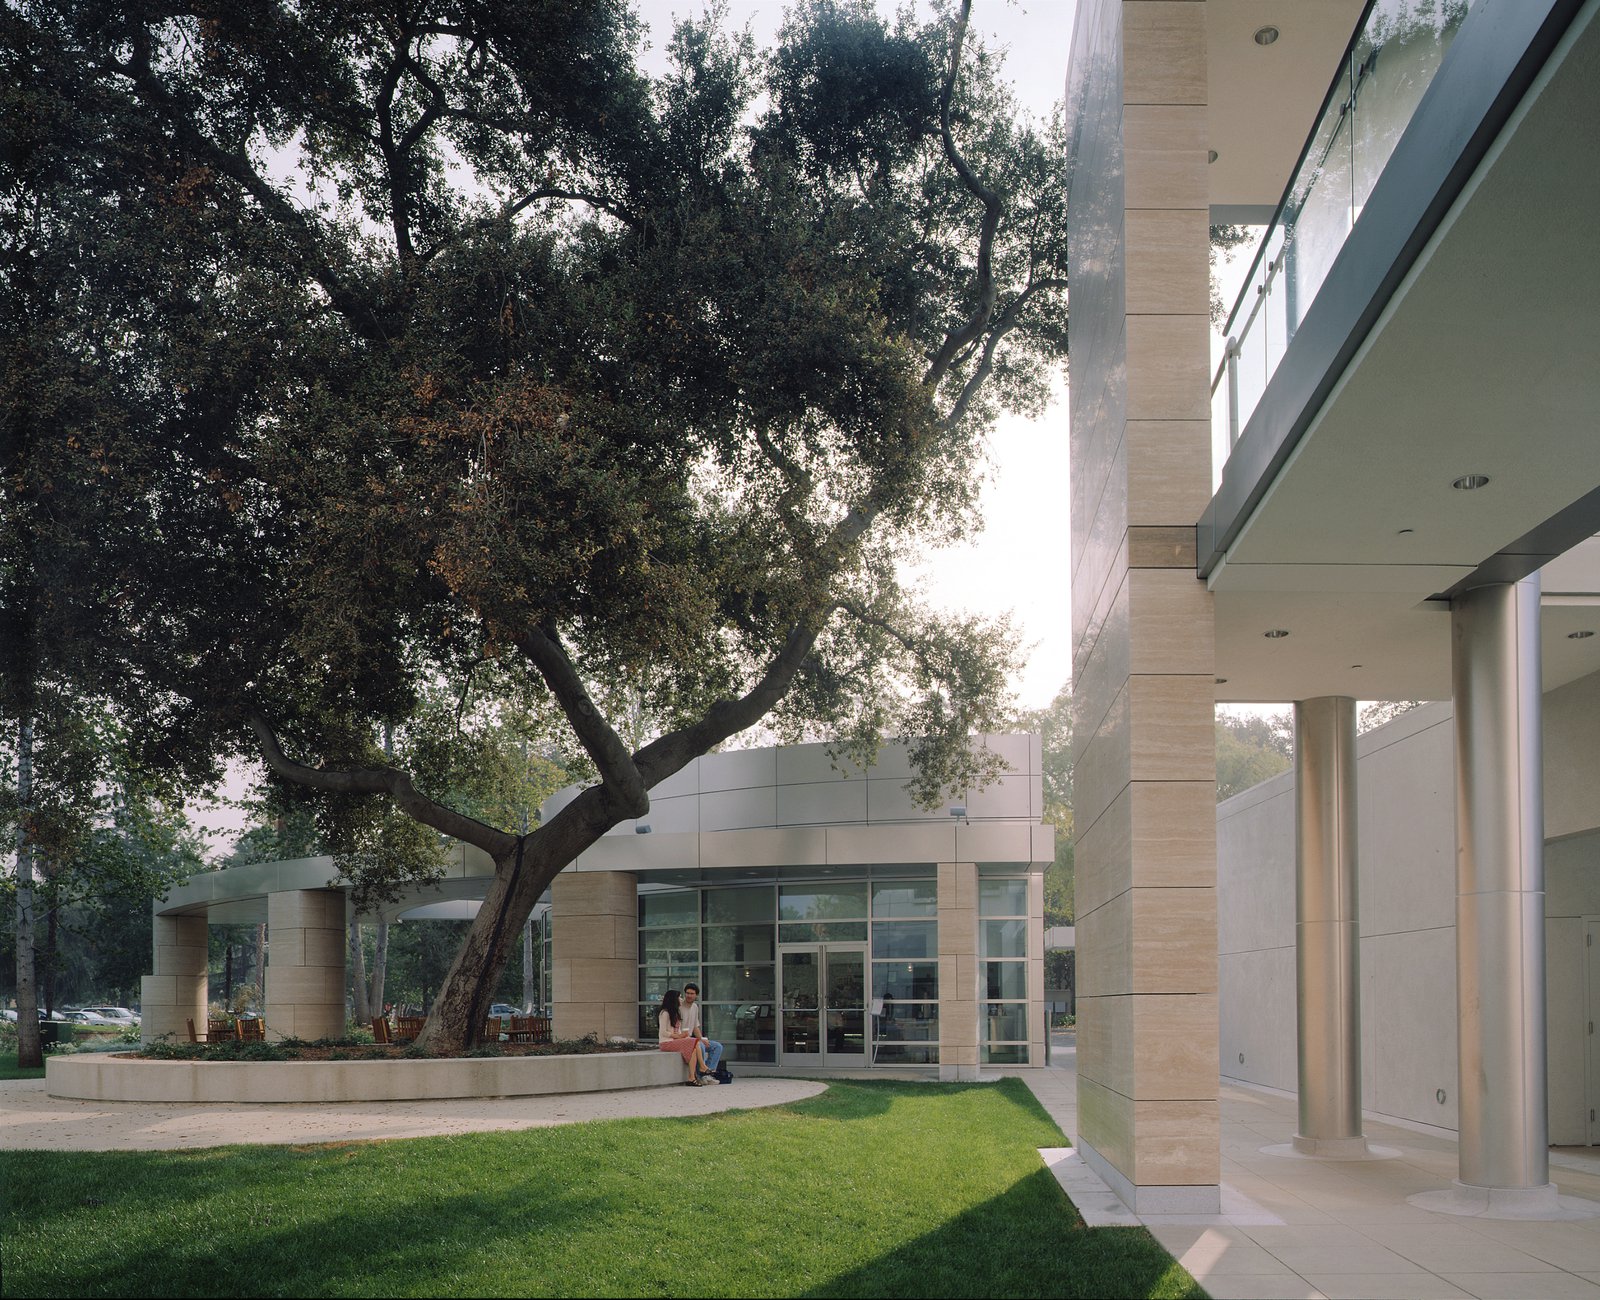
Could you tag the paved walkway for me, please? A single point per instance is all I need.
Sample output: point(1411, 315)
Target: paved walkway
point(1319, 1228)
point(30, 1117)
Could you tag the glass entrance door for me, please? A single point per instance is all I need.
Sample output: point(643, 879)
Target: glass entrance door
point(822, 999)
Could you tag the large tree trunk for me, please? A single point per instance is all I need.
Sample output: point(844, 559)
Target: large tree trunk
point(52, 935)
point(358, 975)
point(380, 963)
point(261, 969)
point(30, 1051)
point(529, 985)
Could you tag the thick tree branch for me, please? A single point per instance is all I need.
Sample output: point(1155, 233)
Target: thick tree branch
point(381, 780)
point(1009, 319)
point(992, 211)
point(619, 775)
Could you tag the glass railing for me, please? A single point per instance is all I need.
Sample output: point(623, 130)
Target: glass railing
point(1397, 48)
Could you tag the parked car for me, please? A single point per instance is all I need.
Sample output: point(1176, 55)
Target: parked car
point(116, 1015)
point(83, 1017)
point(504, 1009)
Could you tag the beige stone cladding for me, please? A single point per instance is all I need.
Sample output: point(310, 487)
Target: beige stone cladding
point(305, 963)
point(594, 963)
point(958, 970)
point(176, 992)
point(1142, 622)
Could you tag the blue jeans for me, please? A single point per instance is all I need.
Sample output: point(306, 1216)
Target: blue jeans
point(713, 1053)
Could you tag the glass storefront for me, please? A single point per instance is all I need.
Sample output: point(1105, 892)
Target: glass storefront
point(842, 973)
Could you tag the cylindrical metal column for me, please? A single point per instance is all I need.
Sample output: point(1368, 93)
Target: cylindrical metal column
point(1327, 933)
point(1500, 887)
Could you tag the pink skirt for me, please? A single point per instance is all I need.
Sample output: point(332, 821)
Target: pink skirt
point(684, 1047)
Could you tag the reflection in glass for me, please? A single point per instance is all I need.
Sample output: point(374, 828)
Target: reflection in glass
point(679, 944)
point(846, 1033)
point(908, 1022)
point(800, 1032)
point(816, 903)
point(1005, 1020)
point(745, 906)
point(908, 898)
point(674, 907)
point(800, 981)
point(1005, 979)
point(907, 1054)
point(1008, 1054)
point(739, 984)
point(905, 939)
point(1002, 897)
point(846, 980)
point(905, 981)
point(823, 932)
point(745, 943)
point(1005, 938)
point(730, 1022)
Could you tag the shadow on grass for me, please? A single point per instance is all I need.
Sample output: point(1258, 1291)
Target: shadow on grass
point(1028, 1241)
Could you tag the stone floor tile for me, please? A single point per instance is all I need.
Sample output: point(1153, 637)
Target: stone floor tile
point(1527, 1286)
point(1386, 1286)
point(1368, 1258)
point(1260, 1286)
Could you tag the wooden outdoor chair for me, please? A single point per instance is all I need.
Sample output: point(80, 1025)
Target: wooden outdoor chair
point(410, 1027)
point(252, 1030)
point(529, 1029)
point(220, 1031)
point(193, 1037)
point(491, 1029)
point(380, 1030)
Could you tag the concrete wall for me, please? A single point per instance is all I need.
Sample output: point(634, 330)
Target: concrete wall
point(1406, 793)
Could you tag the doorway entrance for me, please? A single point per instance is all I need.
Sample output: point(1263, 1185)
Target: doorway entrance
point(822, 996)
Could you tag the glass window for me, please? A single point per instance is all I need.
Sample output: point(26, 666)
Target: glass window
point(739, 983)
point(1009, 1054)
point(681, 944)
point(743, 943)
point(908, 898)
point(843, 901)
point(1002, 897)
point(742, 1022)
point(823, 932)
point(679, 907)
point(1006, 979)
point(907, 1054)
point(908, 1022)
point(905, 980)
point(739, 906)
point(1005, 938)
point(905, 939)
point(656, 980)
point(1005, 1021)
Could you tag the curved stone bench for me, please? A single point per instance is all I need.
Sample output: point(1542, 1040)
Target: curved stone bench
point(119, 1077)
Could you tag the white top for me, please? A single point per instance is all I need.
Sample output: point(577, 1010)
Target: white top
point(689, 1018)
point(664, 1025)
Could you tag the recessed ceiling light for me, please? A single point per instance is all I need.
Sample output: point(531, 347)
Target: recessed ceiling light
point(1579, 636)
point(1355, 665)
point(1405, 532)
point(1265, 35)
point(1276, 633)
point(1470, 482)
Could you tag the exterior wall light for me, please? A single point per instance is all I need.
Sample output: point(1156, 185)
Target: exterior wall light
point(1276, 633)
point(1211, 155)
point(1582, 635)
point(1265, 35)
point(1470, 482)
point(1221, 681)
point(642, 828)
point(958, 810)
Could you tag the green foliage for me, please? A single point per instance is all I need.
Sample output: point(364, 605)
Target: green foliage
point(1251, 750)
point(1053, 725)
point(941, 1188)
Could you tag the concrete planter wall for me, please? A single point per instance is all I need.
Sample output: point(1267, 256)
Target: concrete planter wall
point(124, 1078)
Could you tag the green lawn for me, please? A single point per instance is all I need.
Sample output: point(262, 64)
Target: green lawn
point(872, 1189)
point(9, 1069)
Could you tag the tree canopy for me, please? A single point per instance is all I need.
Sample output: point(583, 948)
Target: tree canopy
point(356, 349)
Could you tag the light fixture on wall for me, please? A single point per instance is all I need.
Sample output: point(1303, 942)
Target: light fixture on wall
point(1581, 635)
point(641, 828)
point(1265, 35)
point(1211, 155)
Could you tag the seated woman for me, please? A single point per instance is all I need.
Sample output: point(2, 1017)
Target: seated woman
point(674, 1038)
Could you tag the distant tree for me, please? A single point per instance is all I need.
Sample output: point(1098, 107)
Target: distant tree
point(1252, 749)
point(1053, 725)
point(1378, 712)
point(366, 346)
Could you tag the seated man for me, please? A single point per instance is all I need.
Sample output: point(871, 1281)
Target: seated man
point(691, 1021)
